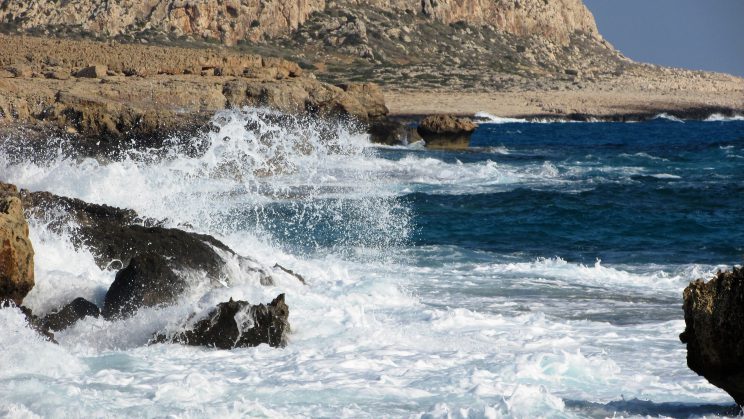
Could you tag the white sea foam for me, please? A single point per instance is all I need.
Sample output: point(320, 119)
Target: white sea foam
point(668, 117)
point(487, 118)
point(382, 330)
point(644, 155)
point(717, 117)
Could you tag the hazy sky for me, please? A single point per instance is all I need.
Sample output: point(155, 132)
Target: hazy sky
point(697, 34)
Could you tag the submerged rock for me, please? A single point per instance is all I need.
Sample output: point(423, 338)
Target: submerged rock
point(236, 324)
point(68, 315)
point(146, 282)
point(16, 252)
point(714, 332)
point(446, 131)
point(34, 322)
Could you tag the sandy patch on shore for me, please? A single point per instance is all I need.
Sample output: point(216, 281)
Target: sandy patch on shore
point(587, 101)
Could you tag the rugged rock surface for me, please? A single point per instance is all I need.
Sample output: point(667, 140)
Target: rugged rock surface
point(226, 20)
point(232, 21)
point(16, 251)
point(392, 132)
point(236, 324)
point(148, 252)
point(160, 91)
point(146, 281)
point(115, 235)
point(446, 131)
point(68, 315)
point(714, 332)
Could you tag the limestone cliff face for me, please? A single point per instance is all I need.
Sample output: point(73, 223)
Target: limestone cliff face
point(226, 20)
point(554, 20)
point(233, 20)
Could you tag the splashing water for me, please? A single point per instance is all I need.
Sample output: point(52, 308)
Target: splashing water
point(440, 283)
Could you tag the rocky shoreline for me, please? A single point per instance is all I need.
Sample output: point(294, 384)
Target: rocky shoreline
point(93, 89)
point(107, 91)
point(399, 55)
point(155, 265)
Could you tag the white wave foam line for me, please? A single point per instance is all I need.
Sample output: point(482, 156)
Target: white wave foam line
point(668, 117)
point(666, 176)
point(602, 276)
point(717, 117)
point(487, 118)
point(644, 155)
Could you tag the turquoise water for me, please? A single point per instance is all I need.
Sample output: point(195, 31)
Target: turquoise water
point(538, 273)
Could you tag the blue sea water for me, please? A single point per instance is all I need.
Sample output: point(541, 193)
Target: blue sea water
point(652, 192)
point(537, 273)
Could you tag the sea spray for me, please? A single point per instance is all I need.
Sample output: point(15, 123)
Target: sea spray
point(488, 300)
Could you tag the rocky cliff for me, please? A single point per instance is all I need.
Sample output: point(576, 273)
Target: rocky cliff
point(714, 332)
point(231, 21)
point(555, 20)
point(225, 20)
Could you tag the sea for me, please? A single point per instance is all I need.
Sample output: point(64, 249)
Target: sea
point(536, 273)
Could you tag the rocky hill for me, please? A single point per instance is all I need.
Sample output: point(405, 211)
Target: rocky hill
point(463, 44)
point(232, 21)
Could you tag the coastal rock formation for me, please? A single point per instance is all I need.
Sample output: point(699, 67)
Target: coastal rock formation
point(146, 281)
point(229, 21)
point(152, 259)
point(159, 91)
point(68, 315)
point(232, 21)
point(16, 251)
point(555, 20)
point(115, 235)
point(446, 131)
point(236, 324)
point(714, 332)
point(391, 132)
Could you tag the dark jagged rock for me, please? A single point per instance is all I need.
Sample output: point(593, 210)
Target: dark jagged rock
point(182, 249)
point(446, 131)
point(46, 205)
point(714, 332)
point(392, 132)
point(291, 272)
point(146, 282)
point(34, 322)
point(118, 234)
point(237, 324)
point(68, 315)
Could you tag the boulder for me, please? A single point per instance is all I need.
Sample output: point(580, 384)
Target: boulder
point(16, 251)
point(68, 315)
point(391, 132)
point(236, 324)
point(714, 332)
point(446, 131)
point(92, 72)
point(370, 96)
point(147, 281)
point(57, 75)
point(115, 234)
point(20, 70)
